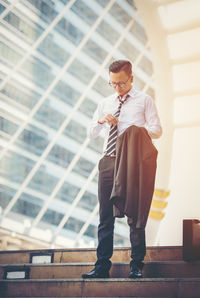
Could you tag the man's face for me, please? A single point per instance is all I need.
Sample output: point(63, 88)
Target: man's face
point(121, 82)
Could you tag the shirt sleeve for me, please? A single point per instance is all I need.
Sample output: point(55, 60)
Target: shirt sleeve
point(95, 128)
point(153, 124)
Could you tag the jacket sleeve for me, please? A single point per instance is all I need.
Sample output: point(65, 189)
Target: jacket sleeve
point(153, 124)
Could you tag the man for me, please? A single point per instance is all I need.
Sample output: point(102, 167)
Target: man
point(115, 115)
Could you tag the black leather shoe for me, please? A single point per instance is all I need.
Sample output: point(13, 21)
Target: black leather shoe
point(136, 269)
point(96, 274)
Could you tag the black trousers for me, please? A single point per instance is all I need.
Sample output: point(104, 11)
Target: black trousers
point(106, 219)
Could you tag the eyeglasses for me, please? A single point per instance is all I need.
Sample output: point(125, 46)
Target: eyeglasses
point(120, 84)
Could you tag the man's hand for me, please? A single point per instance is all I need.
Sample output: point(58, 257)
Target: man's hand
point(110, 119)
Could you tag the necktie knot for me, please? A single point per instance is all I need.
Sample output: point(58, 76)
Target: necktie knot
point(121, 102)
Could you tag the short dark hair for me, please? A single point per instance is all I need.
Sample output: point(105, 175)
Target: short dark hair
point(120, 65)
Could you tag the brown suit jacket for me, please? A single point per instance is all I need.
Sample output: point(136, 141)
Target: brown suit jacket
point(134, 175)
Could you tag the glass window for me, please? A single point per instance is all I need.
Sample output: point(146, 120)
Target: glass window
point(88, 107)
point(138, 83)
point(6, 194)
point(24, 28)
point(95, 51)
point(42, 181)
point(55, 53)
point(38, 72)
point(16, 167)
point(146, 65)
point(88, 201)
point(69, 31)
point(68, 192)
point(74, 225)
point(80, 71)
point(66, 93)
point(2, 8)
point(9, 54)
point(131, 3)
point(103, 3)
point(60, 156)
point(20, 94)
point(139, 33)
point(52, 217)
point(76, 131)
point(25, 207)
point(91, 231)
point(33, 140)
point(49, 116)
point(95, 179)
point(84, 12)
point(65, 1)
point(118, 240)
point(7, 126)
point(97, 144)
point(83, 167)
point(128, 50)
point(120, 15)
point(111, 60)
point(46, 9)
point(102, 87)
point(107, 32)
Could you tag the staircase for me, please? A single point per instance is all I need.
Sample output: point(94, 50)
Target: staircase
point(57, 273)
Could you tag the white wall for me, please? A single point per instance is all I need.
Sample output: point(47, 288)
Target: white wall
point(173, 31)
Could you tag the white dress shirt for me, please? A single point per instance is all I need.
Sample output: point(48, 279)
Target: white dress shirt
point(139, 109)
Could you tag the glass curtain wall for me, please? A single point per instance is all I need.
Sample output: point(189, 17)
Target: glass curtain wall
point(54, 57)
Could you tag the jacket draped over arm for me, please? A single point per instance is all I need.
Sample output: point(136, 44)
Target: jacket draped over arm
point(134, 175)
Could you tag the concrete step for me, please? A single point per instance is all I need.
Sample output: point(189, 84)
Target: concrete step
point(145, 287)
point(160, 253)
point(167, 269)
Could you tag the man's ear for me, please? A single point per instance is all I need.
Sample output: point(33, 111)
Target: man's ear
point(132, 78)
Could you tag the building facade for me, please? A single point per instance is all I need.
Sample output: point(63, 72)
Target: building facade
point(54, 58)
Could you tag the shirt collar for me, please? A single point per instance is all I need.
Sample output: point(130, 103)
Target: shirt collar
point(131, 93)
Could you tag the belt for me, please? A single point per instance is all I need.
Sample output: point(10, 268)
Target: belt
point(111, 155)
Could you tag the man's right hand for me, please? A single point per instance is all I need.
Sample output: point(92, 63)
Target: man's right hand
point(110, 119)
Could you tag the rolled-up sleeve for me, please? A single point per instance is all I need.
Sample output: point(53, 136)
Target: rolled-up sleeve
point(153, 124)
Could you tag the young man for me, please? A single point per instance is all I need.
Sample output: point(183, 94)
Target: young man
point(126, 109)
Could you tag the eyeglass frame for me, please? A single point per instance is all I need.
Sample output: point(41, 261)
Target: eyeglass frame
point(120, 84)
